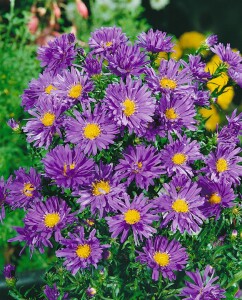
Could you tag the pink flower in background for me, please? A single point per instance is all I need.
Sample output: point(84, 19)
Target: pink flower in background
point(57, 11)
point(82, 9)
point(33, 24)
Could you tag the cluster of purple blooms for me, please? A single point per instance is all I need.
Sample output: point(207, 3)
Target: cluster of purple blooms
point(77, 126)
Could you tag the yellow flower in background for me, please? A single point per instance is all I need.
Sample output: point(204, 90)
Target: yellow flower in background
point(177, 54)
point(160, 56)
point(214, 117)
point(191, 40)
point(219, 82)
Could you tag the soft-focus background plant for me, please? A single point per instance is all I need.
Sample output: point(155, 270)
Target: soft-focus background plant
point(26, 24)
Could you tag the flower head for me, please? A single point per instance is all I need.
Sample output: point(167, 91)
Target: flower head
point(14, 125)
point(137, 215)
point(24, 189)
point(68, 167)
point(211, 40)
point(53, 293)
point(141, 164)
point(170, 78)
point(127, 60)
point(227, 55)
point(202, 286)
point(38, 88)
point(223, 164)
point(80, 252)
point(91, 131)
point(178, 155)
point(102, 191)
point(46, 122)
point(176, 112)
point(163, 256)
point(181, 207)
point(130, 104)
point(92, 65)
point(72, 86)
point(59, 53)
point(197, 68)
point(107, 40)
point(49, 217)
point(218, 195)
point(155, 41)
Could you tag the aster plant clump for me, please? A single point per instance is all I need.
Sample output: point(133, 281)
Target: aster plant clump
point(130, 194)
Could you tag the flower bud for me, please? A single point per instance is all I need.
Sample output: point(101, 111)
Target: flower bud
point(91, 292)
point(9, 274)
point(82, 9)
point(14, 125)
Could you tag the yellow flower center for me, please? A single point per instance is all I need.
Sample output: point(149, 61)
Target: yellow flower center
point(83, 251)
point(170, 114)
point(221, 165)
point(108, 44)
point(49, 88)
point(215, 199)
point(71, 167)
point(161, 258)
point(75, 91)
point(51, 220)
point(91, 131)
point(179, 158)
point(139, 165)
point(28, 188)
point(167, 83)
point(48, 119)
point(129, 107)
point(180, 206)
point(132, 216)
point(101, 188)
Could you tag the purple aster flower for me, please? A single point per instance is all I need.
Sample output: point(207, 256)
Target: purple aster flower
point(130, 104)
point(230, 133)
point(170, 78)
point(68, 167)
point(24, 189)
point(227, 55)
point(218, 195)
point(49, 217)
point(197, 68)
point(223, 164)
point(181, 207)
point(53, 293)
point(137, 216)
point(43, 86)
point(72, 86)
point(127, 60)
point(4, 190)
point(202, 287)
point(179, 181)
point(9, 274)
point(155, 41)
point(236, 75)
point(141, 164)
point(200, 97)
point(14, 125)
point(163, 256)
point(91, 131)
point(32, 239)
point(59, 54)
point(176, 112)
point(177, 156)
point(46, 122)
point(92, 65)
point(102, 191)
point(106, 40)
point(211, 40)
point(80, 252)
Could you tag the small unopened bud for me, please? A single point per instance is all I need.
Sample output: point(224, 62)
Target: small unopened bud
point(211, 40)
point(234, 234)
point(14, 125)
point(9, 274)
point(33, 24)
point(82, 9)
point(91, 292)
